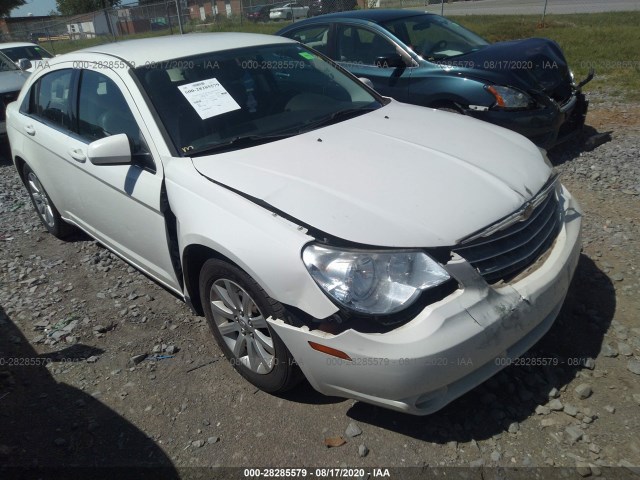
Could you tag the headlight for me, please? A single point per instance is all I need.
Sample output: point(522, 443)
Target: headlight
point(507, 97)
point(373, 282)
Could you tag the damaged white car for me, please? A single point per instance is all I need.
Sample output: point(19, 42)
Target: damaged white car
point(386, 252)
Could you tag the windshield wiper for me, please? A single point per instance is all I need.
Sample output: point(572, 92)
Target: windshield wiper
point(338, 116)
point(239, 142)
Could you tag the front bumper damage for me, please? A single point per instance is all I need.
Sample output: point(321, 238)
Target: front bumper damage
point(547, 126)
point(451, 346)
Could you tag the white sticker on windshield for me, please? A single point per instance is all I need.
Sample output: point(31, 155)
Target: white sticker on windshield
point(209, 98)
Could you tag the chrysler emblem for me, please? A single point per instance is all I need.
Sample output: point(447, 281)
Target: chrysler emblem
point(526, 213)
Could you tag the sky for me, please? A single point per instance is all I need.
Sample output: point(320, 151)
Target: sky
point(37, 7)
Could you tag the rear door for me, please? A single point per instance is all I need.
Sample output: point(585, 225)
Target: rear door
point(46, 122)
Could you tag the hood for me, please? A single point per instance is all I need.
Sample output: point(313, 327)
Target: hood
point(400, 176)
point(508, 63)
point(12, 80)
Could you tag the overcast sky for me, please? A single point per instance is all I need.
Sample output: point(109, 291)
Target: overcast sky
point(37, 7)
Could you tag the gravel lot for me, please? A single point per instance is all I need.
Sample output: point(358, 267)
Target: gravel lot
point(133, 378)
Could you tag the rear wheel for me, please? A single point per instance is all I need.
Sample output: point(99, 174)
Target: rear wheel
point(44, 207)
point(237, 309)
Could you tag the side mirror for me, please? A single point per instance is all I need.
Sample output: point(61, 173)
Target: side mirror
point(367, 82)
point(24, 64)
point(393, 60)
point(113, 150)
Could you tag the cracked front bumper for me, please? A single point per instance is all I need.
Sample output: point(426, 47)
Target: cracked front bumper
point(451, 346)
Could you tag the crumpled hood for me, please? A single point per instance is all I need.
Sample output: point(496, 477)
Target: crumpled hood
point(511, 61)
point(401, 176)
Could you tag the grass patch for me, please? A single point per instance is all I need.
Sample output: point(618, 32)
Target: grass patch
point(607, 41)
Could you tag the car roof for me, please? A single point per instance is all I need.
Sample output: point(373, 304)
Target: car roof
point(17, 44)
point(158, 49)
point(376, 15)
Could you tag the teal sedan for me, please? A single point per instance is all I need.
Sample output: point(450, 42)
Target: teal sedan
point(428, 60)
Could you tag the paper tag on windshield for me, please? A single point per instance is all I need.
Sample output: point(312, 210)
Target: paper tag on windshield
point(209, 98)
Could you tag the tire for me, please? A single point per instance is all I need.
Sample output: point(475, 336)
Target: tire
point(44, 207)
point(242, 333)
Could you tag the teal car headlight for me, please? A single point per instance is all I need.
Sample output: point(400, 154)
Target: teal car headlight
point(510, 98)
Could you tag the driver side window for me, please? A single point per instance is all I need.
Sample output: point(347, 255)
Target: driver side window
point(361, 46)
point(103, 111)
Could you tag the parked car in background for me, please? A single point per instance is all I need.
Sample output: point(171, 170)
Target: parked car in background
point(289, 11)
point(428, 60)
point(258, 13)
point(320, 227)
point(37, 37)
point(319, 7)
point(34, 54)
point(11, 81)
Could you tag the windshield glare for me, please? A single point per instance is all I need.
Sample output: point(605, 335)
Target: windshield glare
point(28, 52)
point(434, 37)
point(208, 101)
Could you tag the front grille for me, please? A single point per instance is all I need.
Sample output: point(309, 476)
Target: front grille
point(506, 253)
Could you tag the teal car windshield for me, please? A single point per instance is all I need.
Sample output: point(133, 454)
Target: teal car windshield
point(435, 38)
point(239, 98)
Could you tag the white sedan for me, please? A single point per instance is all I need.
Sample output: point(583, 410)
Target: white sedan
point(323, 230)
point(28, 56)
point(11, 80)
point(289, 11)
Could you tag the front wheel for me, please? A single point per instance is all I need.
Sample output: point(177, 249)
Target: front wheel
point(46, 210)
point(237, 309)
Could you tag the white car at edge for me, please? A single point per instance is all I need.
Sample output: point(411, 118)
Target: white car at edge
point(31, 55)
point(11, 81)
point(289, 11)
point(322, 229)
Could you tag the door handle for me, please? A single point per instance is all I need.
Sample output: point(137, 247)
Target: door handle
point(30, 130)
point(77, 154)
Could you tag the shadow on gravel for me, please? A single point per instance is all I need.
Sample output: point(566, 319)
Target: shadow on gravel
point(5, 153)
point(513, 394)
point(305, 393)
point(588, 139)
point(50, 426)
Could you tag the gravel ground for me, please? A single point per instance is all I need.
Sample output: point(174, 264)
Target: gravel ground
point(111, 369)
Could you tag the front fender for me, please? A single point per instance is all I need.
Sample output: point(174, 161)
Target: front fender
point(437, 89)
point(265, 245)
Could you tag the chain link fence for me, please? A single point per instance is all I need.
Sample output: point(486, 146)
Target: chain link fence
point(174, 16)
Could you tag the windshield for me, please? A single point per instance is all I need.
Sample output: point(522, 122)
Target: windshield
point(434, 37)
point(28, 52)
point(239, 98)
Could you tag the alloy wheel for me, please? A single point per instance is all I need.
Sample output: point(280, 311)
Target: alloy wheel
point(41, 200)
point(242, 326)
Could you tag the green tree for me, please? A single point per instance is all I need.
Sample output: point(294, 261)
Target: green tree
point(7, 5)
point(75, 7)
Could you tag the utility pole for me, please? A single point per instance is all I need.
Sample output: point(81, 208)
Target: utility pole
point(544, 12)
point(179, 16)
